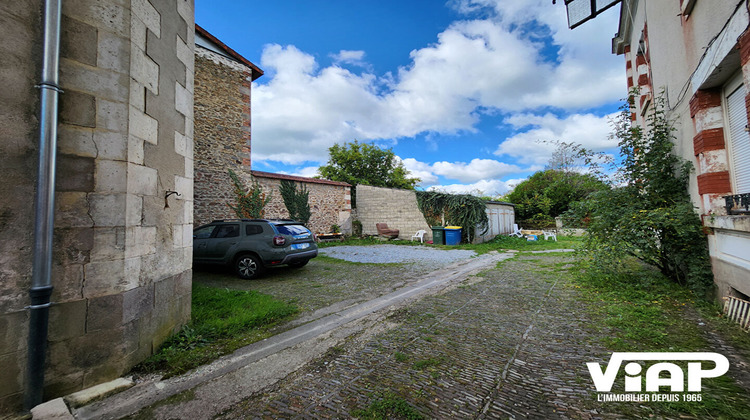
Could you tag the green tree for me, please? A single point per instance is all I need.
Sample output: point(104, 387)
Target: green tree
point(549, 193)
point(250, 204)
point(649, 215)
point(296, 201)
point(360, 163)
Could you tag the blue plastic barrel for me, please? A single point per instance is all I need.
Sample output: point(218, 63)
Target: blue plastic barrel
point(452, 235)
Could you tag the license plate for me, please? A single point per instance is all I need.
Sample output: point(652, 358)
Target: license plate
point(301, 246)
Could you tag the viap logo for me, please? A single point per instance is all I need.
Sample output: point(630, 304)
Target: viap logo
point(699, 366)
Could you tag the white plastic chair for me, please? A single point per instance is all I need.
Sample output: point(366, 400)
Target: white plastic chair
point(419, 235)
point(516, 231)
point(550, 234)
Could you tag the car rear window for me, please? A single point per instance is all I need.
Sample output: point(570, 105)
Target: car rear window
point(292, 230)
point(253, 229)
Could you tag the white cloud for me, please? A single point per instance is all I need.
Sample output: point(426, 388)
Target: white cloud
point(420, 170)
point(533, 146)
point(491, 187)
point(499, 63)
point(475, 170)
point(356, 58)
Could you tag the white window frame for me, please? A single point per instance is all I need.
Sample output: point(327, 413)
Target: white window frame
point(734, 83)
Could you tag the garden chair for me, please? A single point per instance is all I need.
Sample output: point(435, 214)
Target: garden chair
point(419, 235)
point(516, 231)
point(550, 234)
point(385, 231)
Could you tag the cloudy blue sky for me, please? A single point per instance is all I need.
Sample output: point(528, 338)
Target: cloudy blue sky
point(462, 90)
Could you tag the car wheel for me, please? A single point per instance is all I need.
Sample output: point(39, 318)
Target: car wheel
point(299, 264)
point(248, 266)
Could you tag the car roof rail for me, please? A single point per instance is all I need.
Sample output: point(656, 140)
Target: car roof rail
point(238, 220)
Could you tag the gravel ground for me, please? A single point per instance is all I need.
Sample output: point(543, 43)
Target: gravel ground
point(382, 254)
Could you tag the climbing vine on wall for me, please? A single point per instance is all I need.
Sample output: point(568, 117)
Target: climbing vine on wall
point(462, 210)
point(249, 203)
point(296, 200)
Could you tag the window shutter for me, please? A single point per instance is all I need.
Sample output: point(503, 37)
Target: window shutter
point(739, 140)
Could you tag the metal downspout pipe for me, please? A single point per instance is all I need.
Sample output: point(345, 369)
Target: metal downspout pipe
point(44, 212)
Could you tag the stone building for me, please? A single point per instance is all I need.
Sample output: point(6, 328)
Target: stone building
point(223, 83)
point(121, 267)
point(223, 80)
point(330, 201)
point(698, 54)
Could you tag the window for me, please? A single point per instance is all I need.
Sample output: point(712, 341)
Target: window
point(739, 138)
point(292, 230)
point(228, 231)
point(204, 232)
point(253, 229)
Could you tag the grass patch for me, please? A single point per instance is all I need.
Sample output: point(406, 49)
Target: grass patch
point(386, 407)
point(223, 320)
point(501, 242)
point(648, 313)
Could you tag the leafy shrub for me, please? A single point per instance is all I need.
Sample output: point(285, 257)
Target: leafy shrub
point(649, 215)
point(250, 203)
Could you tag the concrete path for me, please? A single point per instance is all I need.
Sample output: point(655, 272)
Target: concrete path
point(217, 387)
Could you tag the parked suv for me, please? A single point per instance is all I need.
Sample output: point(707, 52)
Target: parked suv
point(250, 245)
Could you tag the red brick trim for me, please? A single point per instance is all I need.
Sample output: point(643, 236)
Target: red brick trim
point(707, 140)
point(260, 174)
point(714, 183)
point(743, 42)
point(704, 99)
point(643, 80)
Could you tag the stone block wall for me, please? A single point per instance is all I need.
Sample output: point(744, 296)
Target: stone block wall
point(122, 252)
point(396, 207)
point(222, 132)
point(330, 201)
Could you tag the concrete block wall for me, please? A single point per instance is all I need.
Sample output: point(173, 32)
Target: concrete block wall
point(122, 253)
point(396, 207)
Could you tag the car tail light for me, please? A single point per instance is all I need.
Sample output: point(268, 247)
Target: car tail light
point(279, 240)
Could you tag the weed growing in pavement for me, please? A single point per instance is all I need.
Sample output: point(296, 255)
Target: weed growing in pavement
point(427, 363)
point(222, 321)
point(400, 357)
point(388, 406)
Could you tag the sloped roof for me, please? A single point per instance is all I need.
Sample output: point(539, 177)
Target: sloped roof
point(256, 71)
point(261, 174)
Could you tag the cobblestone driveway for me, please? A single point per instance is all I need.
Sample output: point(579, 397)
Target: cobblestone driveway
point(512, 343)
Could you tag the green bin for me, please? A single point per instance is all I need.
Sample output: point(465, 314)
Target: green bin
point(438, 236)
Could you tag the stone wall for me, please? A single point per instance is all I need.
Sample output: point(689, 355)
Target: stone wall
point(330, 201)
point(397, 208)
point(122, 252)
point(222, 132)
